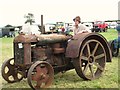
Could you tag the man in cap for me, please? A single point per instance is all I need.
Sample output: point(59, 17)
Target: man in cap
point(78, 27)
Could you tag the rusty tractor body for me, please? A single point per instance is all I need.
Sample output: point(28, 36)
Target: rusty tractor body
point(38, 57)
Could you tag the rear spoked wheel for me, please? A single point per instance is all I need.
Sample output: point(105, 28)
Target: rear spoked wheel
point(91, 61)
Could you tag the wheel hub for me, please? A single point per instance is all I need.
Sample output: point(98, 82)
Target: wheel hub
point(91, 59)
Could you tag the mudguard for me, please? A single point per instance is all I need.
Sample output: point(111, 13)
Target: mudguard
point(75, 44)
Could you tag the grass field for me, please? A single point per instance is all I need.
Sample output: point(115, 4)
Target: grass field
point(69, 79)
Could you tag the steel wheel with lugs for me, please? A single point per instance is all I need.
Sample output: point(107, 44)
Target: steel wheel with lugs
point(40, 75)
point(10, 72)
point(91, 61)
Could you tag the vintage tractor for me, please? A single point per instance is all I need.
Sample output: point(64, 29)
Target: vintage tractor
point(115, 44)
point(39, 57)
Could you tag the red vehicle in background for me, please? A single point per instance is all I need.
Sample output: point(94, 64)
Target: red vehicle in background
point(100, 26)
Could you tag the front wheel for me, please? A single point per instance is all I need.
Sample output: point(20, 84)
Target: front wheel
point(10, 71)
point(91, 61)
point(40, 75)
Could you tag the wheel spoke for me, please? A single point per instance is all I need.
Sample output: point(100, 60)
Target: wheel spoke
point(37, 74)
point(84, 58)
point(10, 66)
point(41, 69)
point(38, 69)
point(86, 68)
point(44, 80)
point(44, 70)
point(8, 74)
point(96, 47)
point(99, 56)
point(84, 65)
point(39, 83)
point(98, 66)
point(88, 48)
point(15, 76)
point(34, 77)
point(92, 71)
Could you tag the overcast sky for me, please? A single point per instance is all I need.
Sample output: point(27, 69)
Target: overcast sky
point(13, 11)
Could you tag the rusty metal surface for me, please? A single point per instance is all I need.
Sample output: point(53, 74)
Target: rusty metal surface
point(38, 53)
point(58, 50)
point(18, 54)
point(22, 53)
point(50, 54)
point(42, 73)
point(56, 45)
point(91, 61)
point(51, 38)
point(25, 38)
point(27, 53)
point(10, 71)
point(74, 45)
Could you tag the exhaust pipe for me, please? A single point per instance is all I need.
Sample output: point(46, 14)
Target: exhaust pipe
point(42, 27)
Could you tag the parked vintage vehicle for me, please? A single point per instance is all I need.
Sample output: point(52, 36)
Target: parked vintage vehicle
point(100, 26)
point(7, 31)
point(115, 44)
point(39, 57)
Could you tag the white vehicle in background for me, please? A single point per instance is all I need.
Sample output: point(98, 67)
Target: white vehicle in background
point(113, 25)
point(89, 25)
point(50, 27)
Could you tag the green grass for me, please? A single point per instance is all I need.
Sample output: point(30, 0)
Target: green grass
point(111, 34)
point(69, 79)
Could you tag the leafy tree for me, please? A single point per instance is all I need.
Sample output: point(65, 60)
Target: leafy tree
point(29, 18)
